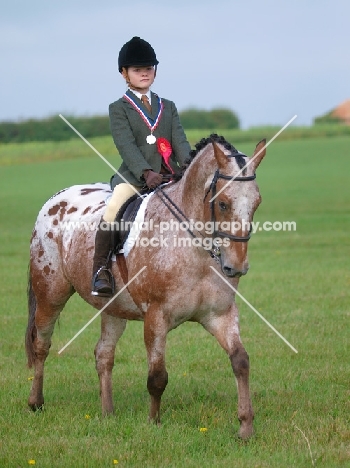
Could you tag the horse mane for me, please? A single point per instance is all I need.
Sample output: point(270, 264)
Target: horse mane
point(205, 142)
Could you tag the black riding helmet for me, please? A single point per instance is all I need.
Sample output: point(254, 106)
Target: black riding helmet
point(136, 52)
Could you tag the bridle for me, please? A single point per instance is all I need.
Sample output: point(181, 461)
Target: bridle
point(176, 211)
point(212, 188)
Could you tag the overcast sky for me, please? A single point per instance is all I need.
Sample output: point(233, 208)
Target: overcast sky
point(266, 60)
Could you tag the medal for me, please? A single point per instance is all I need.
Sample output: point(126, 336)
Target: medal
point(151, 124)
point(151, 139)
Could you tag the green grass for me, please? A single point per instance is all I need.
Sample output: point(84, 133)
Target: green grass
point(298, 280)
point(19, 153)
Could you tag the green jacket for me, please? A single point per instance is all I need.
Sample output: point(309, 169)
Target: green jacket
point(129, 133)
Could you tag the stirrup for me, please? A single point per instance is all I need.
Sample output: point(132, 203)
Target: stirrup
point(110, 279)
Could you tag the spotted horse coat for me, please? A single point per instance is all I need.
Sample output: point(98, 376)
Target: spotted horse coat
point(172, 285)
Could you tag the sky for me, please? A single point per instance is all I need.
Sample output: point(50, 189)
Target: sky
point(265, 60)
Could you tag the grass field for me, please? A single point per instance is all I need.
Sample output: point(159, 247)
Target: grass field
point(299, 281)
point(14, 153)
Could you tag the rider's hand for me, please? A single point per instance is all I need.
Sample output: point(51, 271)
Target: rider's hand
point(152, 178)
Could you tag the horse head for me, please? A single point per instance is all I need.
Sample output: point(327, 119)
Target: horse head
point(233, 199)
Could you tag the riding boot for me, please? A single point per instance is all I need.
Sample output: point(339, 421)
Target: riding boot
point(102, 278)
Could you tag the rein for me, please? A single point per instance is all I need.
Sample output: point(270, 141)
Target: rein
point(215, 251)
point(159, 189)
point(177, 212)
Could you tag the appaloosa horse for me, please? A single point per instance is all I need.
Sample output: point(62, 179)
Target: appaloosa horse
point(178, 283)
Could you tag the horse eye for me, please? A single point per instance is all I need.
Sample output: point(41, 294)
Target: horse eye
point(222, 206)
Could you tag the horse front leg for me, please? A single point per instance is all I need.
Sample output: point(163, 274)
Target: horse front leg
point(155, 331)
point(112, 329)
point(225, 328)
point(240, 365)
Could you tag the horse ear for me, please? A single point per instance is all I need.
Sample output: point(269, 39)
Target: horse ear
point(220, 156)
point(259, 153)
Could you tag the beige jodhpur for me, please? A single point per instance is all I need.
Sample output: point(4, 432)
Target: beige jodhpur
point(119, 196)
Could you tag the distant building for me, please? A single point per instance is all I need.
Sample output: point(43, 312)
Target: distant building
point(340, 114)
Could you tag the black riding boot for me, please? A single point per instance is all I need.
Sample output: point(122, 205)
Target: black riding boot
point(102, 278)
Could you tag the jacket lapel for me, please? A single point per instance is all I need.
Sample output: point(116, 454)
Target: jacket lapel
point(154, 104)
point(134, 98)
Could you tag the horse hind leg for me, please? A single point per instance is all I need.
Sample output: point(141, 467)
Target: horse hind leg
point(41, 322)
point(112, 329)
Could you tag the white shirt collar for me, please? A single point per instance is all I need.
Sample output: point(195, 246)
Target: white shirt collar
point(137, 94)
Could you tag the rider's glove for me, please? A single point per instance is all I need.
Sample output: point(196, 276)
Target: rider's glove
point(152, 178)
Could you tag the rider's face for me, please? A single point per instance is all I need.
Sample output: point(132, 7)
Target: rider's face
point(141, 78)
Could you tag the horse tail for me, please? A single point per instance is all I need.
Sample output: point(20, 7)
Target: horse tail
point(31, 327)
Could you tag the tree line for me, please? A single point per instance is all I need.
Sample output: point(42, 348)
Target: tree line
point(55, 129)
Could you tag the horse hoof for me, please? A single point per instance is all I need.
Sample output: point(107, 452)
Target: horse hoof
point(36, 408)
point(245, 431)
point(154, 421)
point(108, 413)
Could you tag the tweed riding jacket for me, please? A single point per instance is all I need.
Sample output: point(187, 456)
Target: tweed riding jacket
point(130, 131)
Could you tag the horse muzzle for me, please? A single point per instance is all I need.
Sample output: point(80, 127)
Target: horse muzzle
point(232, 272)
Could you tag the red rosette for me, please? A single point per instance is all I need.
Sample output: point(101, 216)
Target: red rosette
point(165, 150)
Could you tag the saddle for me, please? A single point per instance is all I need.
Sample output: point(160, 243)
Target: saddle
point(124, 219)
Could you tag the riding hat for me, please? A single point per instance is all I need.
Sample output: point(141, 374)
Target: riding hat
point(136, 52)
